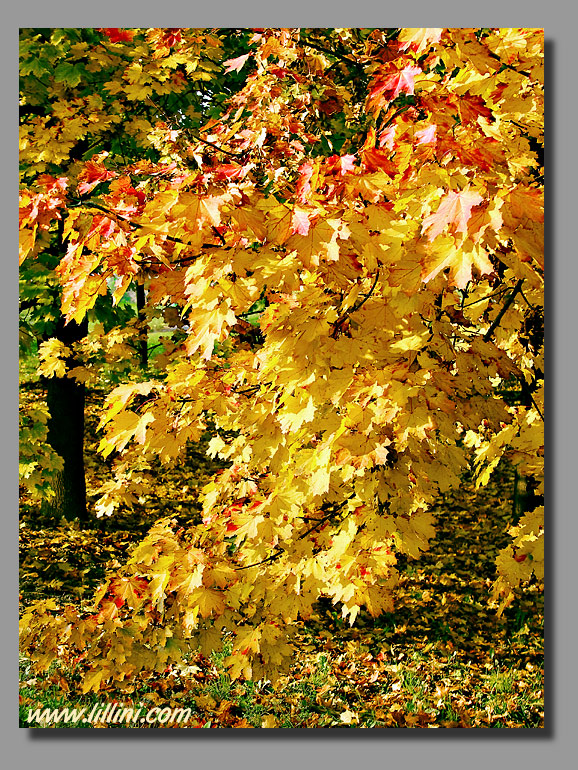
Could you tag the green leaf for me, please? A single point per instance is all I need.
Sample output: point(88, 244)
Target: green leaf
point(34, 66)
point(69, 73)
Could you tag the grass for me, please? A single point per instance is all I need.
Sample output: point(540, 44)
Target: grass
point(427, 690)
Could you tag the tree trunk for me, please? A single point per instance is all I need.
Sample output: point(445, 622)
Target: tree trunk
point(65, 400)
point(525, 496)
point(143, 329)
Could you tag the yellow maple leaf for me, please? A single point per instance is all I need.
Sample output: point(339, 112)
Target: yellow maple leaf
point(419, 39)
point(459, 258)
point(52, 354)
point(92, 680)
point(26, 240)
point(296, 411)
point(130, 588)
point(511, 569)
point(319, 243)
point(191, 581)
point(209, 601)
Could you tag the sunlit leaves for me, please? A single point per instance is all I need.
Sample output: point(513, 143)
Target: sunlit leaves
point(458, 258)
point(53, 354)
point(454, 210)
point(338, 249)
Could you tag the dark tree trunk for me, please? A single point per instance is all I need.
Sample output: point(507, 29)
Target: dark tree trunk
point(525, 496)
point(143, 351)
point(65, 400)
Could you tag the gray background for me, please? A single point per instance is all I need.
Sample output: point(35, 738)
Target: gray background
point(343, 748)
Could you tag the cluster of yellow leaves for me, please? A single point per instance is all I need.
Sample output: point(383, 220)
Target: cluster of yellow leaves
point(393, 314)
point(53, 354)
point(37, 459)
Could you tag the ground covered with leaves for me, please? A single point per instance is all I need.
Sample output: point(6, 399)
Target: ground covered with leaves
point(444, 658)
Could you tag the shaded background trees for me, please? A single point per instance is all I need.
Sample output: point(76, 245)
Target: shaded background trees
point(75, 105)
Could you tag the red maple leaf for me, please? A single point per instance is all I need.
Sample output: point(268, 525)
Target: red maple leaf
point(172, 36)
point(378, 160)
point(300, 222)
point(229, 171)
point(116, 35)
point(306, 171)
point(341, 163)
point(471, 107)
point(394, 85)
point(52, 184)
point(426, 135)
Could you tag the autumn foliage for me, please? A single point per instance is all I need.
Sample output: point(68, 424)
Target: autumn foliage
point(344, 228)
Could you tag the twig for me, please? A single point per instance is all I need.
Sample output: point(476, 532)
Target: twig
point(194, 136)
point(219, 235)
point(499, 293)
point(328, 51)
point(536, 407)
point(527, 300)
point(325, 518)
point(527, 391)
point(356, 306)
point(508, 66)
point(506, 306)
point(247, 391)
point(394, 116)
point(114, 216)
point(278, 552)
point(316, 526)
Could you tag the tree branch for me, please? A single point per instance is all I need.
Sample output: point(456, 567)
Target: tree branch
point(115, 217)
point(506, 306)
point(194, 136)
point(355, 307)
point(28, 304)
point(279, 550)
point(329, 52)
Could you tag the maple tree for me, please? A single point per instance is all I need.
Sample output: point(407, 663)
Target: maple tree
point(348, 243)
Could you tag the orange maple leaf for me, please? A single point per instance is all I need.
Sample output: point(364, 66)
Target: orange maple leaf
point(455, 209)
point(91, 175)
